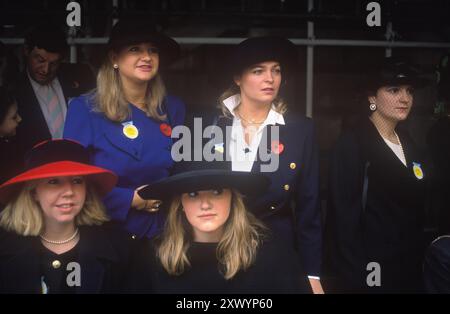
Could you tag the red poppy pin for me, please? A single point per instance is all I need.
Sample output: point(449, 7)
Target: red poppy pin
point(277, 147)
point(165, 129)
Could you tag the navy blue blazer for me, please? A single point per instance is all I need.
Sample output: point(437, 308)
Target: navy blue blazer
point(137, 162)
point(291, 207)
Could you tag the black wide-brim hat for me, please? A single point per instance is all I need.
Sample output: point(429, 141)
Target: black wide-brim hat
point(261, 49)
point(130, 32)
point(57, 158)
point(396, 72)
point(192, 176)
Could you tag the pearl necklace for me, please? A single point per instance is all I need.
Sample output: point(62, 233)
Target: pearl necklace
point(62, 241)
point(401, 146)
point(396, 135)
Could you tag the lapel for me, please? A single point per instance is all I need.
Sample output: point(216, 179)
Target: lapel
point(288, 140)
point(32, 112)
point(287, 136)
point(225, 123)
point(381, 156)
point(113, 132)
point(95, 251)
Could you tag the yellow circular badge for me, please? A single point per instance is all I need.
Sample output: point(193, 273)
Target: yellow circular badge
point(130, 131)
point(418, 172)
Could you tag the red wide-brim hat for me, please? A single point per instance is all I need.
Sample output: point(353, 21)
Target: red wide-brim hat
point(58, 158)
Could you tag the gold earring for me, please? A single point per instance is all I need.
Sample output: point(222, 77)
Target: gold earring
point(116, 66)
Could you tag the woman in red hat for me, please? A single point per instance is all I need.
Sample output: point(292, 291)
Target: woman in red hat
point(126, 122)
point(52, 237)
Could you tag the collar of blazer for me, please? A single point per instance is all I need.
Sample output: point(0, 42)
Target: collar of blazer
point(375, 150)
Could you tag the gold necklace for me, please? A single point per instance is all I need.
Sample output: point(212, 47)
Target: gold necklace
point(251, 121)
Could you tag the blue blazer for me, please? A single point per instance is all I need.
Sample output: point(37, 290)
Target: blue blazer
point(137, 162)
point(291, 207)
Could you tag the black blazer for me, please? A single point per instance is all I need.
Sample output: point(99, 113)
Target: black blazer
point(105, 255)
point(375, 210)
point(75, 79)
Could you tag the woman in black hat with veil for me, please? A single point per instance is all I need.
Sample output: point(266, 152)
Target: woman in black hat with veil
point(376, 192)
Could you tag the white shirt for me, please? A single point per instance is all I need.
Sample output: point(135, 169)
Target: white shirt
point(56, 86)
point(397, 149)
point(243, 155)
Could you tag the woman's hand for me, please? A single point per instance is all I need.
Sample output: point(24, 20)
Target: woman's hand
point(148, 205)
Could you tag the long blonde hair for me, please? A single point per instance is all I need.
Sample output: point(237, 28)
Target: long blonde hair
point(109, 97)
point(243, 234)
point(23, 215)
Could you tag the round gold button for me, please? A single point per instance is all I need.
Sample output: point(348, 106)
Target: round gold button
point(272, 207)
point(286, 187)
point(56, 264)
point(293, 165)
point(133, 237)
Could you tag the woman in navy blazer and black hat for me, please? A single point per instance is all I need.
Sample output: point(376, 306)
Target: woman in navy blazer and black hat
point(266, 137)
point(53, 237)
point(126, 122)
point(375, 216)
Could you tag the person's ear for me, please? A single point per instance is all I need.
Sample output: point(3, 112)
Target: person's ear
point(372, 99)
point(113, 57)
point(237, 80)
point(27, 50)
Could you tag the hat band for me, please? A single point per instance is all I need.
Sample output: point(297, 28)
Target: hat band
point(37, 157)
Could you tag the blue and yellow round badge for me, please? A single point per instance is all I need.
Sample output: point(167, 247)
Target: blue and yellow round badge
point(417, 171)
point(130, 131)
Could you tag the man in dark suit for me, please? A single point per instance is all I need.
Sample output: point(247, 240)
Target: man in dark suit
point(43, 90)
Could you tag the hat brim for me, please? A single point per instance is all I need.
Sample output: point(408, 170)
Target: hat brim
point(248, 184)
point(102, 179)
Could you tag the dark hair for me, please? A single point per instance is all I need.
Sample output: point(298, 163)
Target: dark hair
point(11, 69)
point(6, 101)
point(49, 37)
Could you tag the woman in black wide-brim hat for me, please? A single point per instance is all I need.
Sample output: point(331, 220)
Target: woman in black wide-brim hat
point(53, 232)
point(375, 216)
point(126, 122)
point(268, 137)
point(211, 243)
